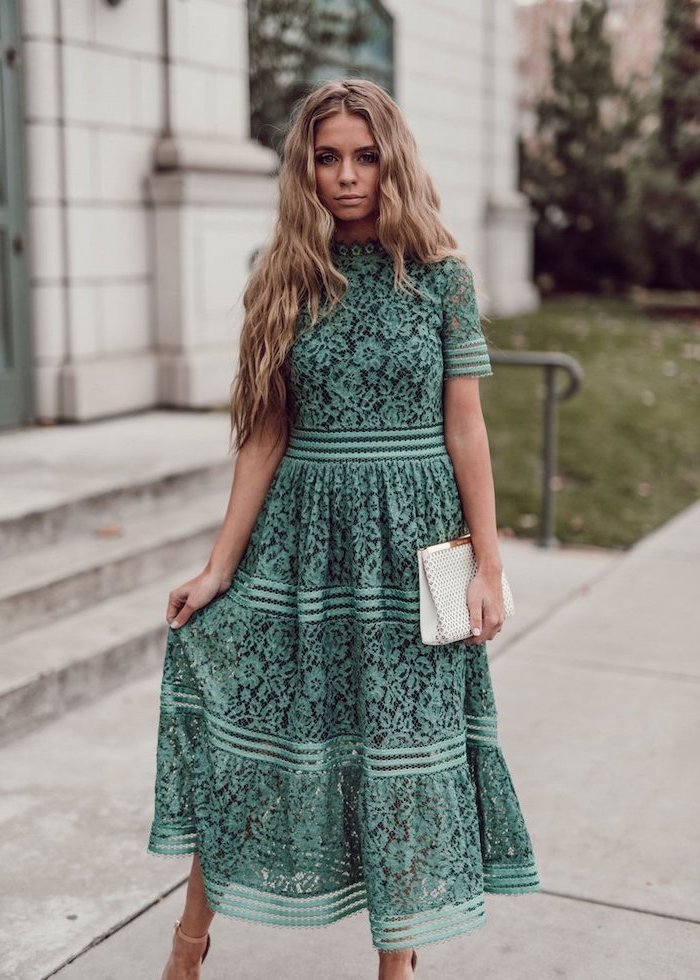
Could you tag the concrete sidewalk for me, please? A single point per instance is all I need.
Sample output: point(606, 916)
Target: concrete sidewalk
point(597, 689)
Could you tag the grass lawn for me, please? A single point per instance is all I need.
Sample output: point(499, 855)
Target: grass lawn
point(628, 453)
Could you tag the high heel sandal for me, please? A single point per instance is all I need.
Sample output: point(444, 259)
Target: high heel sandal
point(194, 939)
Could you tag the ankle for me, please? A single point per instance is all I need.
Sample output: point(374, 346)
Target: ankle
point(194, 933)
point(396, 955)
point(188, 948)
point(396, 964)
point(186, 957)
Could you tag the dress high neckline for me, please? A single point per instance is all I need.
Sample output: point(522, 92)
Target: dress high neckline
point(368, 246)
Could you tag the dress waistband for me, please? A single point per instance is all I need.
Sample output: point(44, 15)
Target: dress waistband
point(366, 444)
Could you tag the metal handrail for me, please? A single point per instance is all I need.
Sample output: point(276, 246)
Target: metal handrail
point(550, 361)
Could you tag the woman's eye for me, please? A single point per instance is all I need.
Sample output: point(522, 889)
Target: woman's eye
point(368, 157)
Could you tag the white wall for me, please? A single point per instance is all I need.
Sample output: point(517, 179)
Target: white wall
point(93, 106)
point(210, 71)
point(439, 86)
point(457, 83)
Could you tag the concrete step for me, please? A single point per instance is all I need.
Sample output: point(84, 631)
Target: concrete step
point(42, 584)
point(77, 658)
point(115, 505)
point(98, 522)
point(73, 479)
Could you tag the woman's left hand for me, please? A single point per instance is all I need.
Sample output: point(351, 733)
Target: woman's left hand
point(485, 604)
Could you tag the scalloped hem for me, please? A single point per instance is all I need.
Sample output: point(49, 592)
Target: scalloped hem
point(294, 912)
point(171, 843)
point(238, 901)
point(431, 926)
point(282, 912)
point(506, 879)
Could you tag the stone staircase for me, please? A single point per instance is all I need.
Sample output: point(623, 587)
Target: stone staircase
point(85, 573)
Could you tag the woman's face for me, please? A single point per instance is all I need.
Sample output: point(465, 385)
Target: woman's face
point(347, 174)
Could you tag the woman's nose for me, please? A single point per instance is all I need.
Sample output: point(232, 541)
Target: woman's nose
point(347, 170)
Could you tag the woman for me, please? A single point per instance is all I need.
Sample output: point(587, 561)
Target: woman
point(314, 755)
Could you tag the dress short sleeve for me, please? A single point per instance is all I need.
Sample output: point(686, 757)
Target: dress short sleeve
point(464, 349)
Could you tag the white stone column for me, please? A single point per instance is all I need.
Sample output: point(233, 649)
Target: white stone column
point(213, 191)
point(508, 224)
point(207, 227)
point(507, 216)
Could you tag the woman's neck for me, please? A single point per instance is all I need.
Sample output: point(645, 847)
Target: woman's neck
point(355, 232)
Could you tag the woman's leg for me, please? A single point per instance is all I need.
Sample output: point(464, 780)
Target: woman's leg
point(197, 916)
point(395, 964)
point(195, 921)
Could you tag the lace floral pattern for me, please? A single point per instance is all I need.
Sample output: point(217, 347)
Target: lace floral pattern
point(320, 758)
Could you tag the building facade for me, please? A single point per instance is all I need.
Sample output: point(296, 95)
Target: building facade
point(138, 197)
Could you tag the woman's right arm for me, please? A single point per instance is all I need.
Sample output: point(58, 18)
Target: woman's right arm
point(255, 466)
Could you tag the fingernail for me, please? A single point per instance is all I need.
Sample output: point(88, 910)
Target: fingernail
point(174, 624)
point(476, 631)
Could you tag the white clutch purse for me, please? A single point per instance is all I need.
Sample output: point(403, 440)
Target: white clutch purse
point(444, 573)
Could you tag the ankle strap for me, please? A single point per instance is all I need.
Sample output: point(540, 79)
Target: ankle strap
point(189, 939)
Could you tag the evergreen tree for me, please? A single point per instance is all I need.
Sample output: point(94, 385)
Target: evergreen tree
point(574, 169)
point(666, 183)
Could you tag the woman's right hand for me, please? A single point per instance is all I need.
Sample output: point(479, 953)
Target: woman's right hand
point(193, 595)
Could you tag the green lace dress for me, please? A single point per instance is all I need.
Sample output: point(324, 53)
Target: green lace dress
point(318, 756)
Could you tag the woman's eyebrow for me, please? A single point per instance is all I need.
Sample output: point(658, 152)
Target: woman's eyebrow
point(335, 148)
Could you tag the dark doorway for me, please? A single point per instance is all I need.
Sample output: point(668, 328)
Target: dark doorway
point(15, 367)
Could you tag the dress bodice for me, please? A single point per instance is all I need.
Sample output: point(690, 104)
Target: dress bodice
point(379, 359)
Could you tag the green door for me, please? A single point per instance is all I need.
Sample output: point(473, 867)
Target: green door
point(15, 375)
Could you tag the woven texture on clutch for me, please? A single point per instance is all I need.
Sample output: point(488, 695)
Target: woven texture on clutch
point(449, 572)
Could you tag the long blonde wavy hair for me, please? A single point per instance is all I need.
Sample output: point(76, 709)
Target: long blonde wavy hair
point(296, 270)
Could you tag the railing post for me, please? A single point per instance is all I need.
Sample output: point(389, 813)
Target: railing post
point(550, 361)
point(549, 458)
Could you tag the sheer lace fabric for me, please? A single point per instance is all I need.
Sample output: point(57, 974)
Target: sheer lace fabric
point(320, 758)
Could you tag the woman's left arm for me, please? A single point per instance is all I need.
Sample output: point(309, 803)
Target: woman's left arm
point(467, 443)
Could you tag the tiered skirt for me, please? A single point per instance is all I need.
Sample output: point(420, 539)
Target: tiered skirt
point(319, 757)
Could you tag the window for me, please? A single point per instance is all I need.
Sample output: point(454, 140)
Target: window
point(294, 44)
